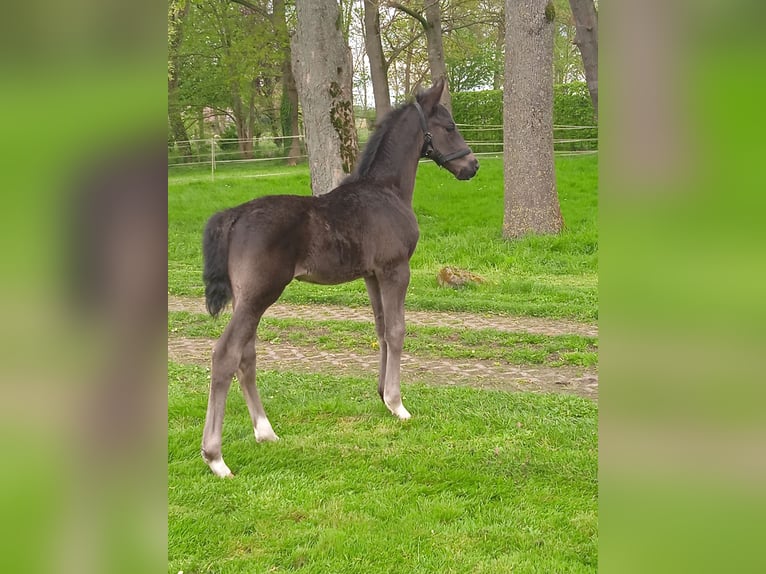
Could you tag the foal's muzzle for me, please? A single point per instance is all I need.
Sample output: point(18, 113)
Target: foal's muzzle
point(469, 169)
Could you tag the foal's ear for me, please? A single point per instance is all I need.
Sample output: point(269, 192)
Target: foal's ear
point(428, 99)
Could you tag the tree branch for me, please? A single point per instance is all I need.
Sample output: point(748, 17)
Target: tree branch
point(409, 11)
point(399, 49)
point(454, 27)
point(252, 7)
point(221, 112)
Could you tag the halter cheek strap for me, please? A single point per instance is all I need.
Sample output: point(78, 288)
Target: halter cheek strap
point(428, 150)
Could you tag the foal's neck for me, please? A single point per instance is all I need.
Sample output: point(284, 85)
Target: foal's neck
point(402, 157)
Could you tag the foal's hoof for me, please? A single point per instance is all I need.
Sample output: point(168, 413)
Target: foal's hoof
point(264, 432)
point(220, 469)
point(400, 412)
point(266, 435)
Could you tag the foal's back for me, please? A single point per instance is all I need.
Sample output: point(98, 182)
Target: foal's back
point(343, 235)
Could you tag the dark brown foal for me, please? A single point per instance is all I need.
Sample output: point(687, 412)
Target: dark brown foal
point(364, 228)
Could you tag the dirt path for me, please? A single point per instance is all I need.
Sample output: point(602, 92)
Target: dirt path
point(442, 371)
point(476, 373)
point(535, 325)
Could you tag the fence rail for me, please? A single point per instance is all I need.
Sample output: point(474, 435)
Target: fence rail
point(485, 140)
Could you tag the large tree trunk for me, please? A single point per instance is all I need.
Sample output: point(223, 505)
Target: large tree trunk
point(374, 47)
point(436, 49)
point(531, 201)
point(586, 20)
point(289, 91)
point(322, 66)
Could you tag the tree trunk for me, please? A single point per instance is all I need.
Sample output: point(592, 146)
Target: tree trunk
point(408, 71)
point(436, 49)
point(292, 102)
point(374, 47)
point(586, 20)
point(322, 66)
point(290, 93)
point(177, 127)
point(252, 124)
point(200, 123)
point(244, 141)
point(432, 25)
point(531, 201)
point(497, 76)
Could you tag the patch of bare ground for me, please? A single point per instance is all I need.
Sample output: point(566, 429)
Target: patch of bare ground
point(478, 373)
point(535, 325)
point(475, 373)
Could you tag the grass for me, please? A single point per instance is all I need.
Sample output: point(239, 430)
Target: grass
point(460, 224)
point(477, 481)
point(431, 342)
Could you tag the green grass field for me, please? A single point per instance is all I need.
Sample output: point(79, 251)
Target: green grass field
point(460, 225)
point(478, 481)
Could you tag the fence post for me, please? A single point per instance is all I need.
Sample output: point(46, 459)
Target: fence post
point(212, 159)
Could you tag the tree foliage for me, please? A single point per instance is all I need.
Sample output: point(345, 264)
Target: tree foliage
point(473, 34)
point(472, 60)
point(229, 63)
point(226, 62)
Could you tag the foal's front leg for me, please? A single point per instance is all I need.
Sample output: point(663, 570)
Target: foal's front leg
point(393, 288)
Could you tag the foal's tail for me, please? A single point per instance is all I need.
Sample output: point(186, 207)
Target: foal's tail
point(215, 253)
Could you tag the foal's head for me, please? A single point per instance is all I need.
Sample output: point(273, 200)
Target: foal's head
point(443, 142)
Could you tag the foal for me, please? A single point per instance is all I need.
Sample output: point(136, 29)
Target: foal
point(364, 228)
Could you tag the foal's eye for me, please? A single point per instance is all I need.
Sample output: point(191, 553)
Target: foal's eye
point(451, 128)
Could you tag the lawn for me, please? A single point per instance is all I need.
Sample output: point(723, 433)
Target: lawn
point(460, 225)
point(478, 481)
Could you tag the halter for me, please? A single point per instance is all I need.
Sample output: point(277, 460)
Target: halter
point(428, 150)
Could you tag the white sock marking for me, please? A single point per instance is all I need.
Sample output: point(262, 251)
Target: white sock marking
point(264, 432)
point(219, 468)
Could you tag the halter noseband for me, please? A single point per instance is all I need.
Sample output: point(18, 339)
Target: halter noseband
point(428, 150)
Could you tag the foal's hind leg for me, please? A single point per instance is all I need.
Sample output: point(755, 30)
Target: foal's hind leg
point(246, 377)
point(226, 359)
point(393, 287)
point(373, 289)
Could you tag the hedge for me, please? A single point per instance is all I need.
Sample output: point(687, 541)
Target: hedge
point(571, 107)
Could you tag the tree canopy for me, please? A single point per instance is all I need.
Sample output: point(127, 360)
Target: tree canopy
point(226, 57)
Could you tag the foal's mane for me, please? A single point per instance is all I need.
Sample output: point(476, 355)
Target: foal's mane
point(375, 145)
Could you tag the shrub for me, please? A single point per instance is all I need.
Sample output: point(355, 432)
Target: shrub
point(571, 107)
point(228, 141)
